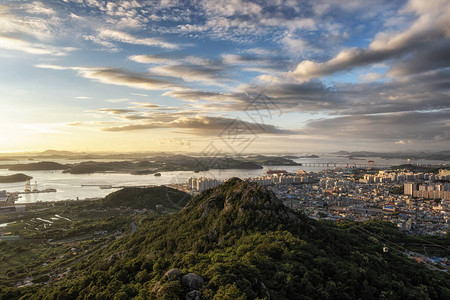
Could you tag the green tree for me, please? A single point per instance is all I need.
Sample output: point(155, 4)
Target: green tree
point(229, 292)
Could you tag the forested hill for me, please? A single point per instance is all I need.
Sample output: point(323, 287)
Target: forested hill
point(238, 241)
point(147, 198)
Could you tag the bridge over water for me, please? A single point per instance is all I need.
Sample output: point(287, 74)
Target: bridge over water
point(370, 164)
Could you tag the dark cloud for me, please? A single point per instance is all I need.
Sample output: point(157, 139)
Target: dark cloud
point(425, 91)
point(416, 126)
point(194, 95)
point(206, 126)
point(434, 57)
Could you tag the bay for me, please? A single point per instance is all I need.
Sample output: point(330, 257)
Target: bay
point(70, 186)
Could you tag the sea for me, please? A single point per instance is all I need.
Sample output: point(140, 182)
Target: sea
point(84, 186)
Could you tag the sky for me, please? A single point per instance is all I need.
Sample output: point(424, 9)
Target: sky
point(227, 76)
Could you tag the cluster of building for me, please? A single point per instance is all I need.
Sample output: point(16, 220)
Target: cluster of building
point(428, 190)
point(416, 202)
point(384, 176)
point(198, 185)
point(275, 179)
point(340, 194)
point(202, 184)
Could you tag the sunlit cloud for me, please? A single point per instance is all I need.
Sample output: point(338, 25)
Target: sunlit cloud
point(106, 37)
point(119, 77)
point(138, 94)
point(11, 43)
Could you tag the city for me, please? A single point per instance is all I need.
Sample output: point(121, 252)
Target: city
point(416, 202)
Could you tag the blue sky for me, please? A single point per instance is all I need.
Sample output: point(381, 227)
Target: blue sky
point(297, 76)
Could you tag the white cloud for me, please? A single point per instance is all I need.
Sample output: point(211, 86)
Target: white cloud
point(39, 8)
point(107, 35)
point(16, 44)
point(149, 59)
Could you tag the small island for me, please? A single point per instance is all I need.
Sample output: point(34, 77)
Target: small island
point(20, 177)
point(272, 160)
point(142, 172)
point(38, 166)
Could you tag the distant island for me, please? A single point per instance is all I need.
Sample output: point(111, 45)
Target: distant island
point(39, 166)
point(273, 160)
point(153, 165)
point(15, 178)
point(440, 155)
point(157, 164)
point(300, 156)
point(136, 156)
point(142, 172)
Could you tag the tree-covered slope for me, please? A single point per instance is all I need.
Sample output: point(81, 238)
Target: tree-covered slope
point(147, 198)
point(238, 241)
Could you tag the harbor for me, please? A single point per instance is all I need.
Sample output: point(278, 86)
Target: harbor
point(35, 189)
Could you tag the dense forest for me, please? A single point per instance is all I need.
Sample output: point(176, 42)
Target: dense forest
point(238, 241)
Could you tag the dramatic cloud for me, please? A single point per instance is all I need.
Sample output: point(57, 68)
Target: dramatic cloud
point(216, 71)
point(338, 71)
point(425, 91)
point(430, 27)
point(206, 126)
point(414, 126)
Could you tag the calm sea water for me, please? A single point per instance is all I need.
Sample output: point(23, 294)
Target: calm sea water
point(69, 186)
